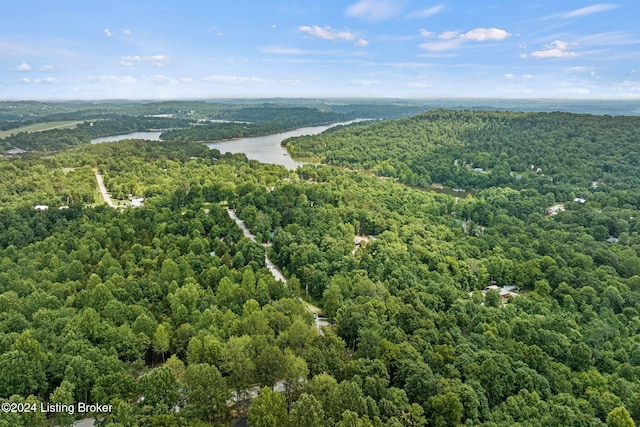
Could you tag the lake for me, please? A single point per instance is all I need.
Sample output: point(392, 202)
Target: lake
point(149, 136)
point(267, 149)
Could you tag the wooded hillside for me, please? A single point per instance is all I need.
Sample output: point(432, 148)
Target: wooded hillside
point(558, 152)
point(443, 311)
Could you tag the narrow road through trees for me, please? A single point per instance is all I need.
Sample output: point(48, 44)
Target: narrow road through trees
point(275, 271)
point(103, 191)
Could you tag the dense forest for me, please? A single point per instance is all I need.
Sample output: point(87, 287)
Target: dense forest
point(59, 139)
point(443, 311)
point(551, 152)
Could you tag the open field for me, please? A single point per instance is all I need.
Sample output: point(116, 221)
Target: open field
point(39, 127)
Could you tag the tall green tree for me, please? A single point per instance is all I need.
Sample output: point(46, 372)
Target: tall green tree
point(269, 409)
point(161, 390)
point(63, 394)
point(307, 412)
point(206, 392)
point(161, 340)
point(620, 417)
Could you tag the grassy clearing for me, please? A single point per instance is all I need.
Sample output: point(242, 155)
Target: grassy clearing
point(39, 127)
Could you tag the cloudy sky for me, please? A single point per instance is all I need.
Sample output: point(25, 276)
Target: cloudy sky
point(152, 49)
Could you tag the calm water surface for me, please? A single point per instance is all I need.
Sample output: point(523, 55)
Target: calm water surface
point(267, 149)
point(150, 136)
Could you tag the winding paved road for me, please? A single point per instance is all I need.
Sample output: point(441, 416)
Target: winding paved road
point(275, 271)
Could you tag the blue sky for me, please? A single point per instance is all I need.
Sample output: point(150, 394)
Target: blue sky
point(144, 49)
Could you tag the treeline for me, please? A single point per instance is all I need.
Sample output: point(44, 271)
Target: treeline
point(241, 109)
point(558, 152)
point(56, 111)
point(13, 124)
point(59, 139)
point(262, 121)
point(54, 139)
point(298, 116)
point(381, 110)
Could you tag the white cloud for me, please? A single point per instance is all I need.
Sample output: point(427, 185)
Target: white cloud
point(187, 80)
point(107, 32)
point(511, 76)
point(611, 38)
point(161, 80)
point(627, 89)
point(155, 60)
point(441, 46)
point(214, 29)
point(375, 10)
point(46, 80)
point(290, 82)
point(363, 82)
point(629, 85)
point(393, 38)
point(327, 33)
point(361, 43)
point(279, 50)
point(482, 34)
point(578, 69)
point(231, 80)
point(425, 33)
point(110, 79)
point(448, 35)
point(583, 70)
point(128, 61)
point(126, 32)
point(596, 8)
point(23, 68)
point(552, 53)
point(293, 61)
point(426, 13)
point(453, 39)
point(47, 68)
point(411, 64)
point(556, 49)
